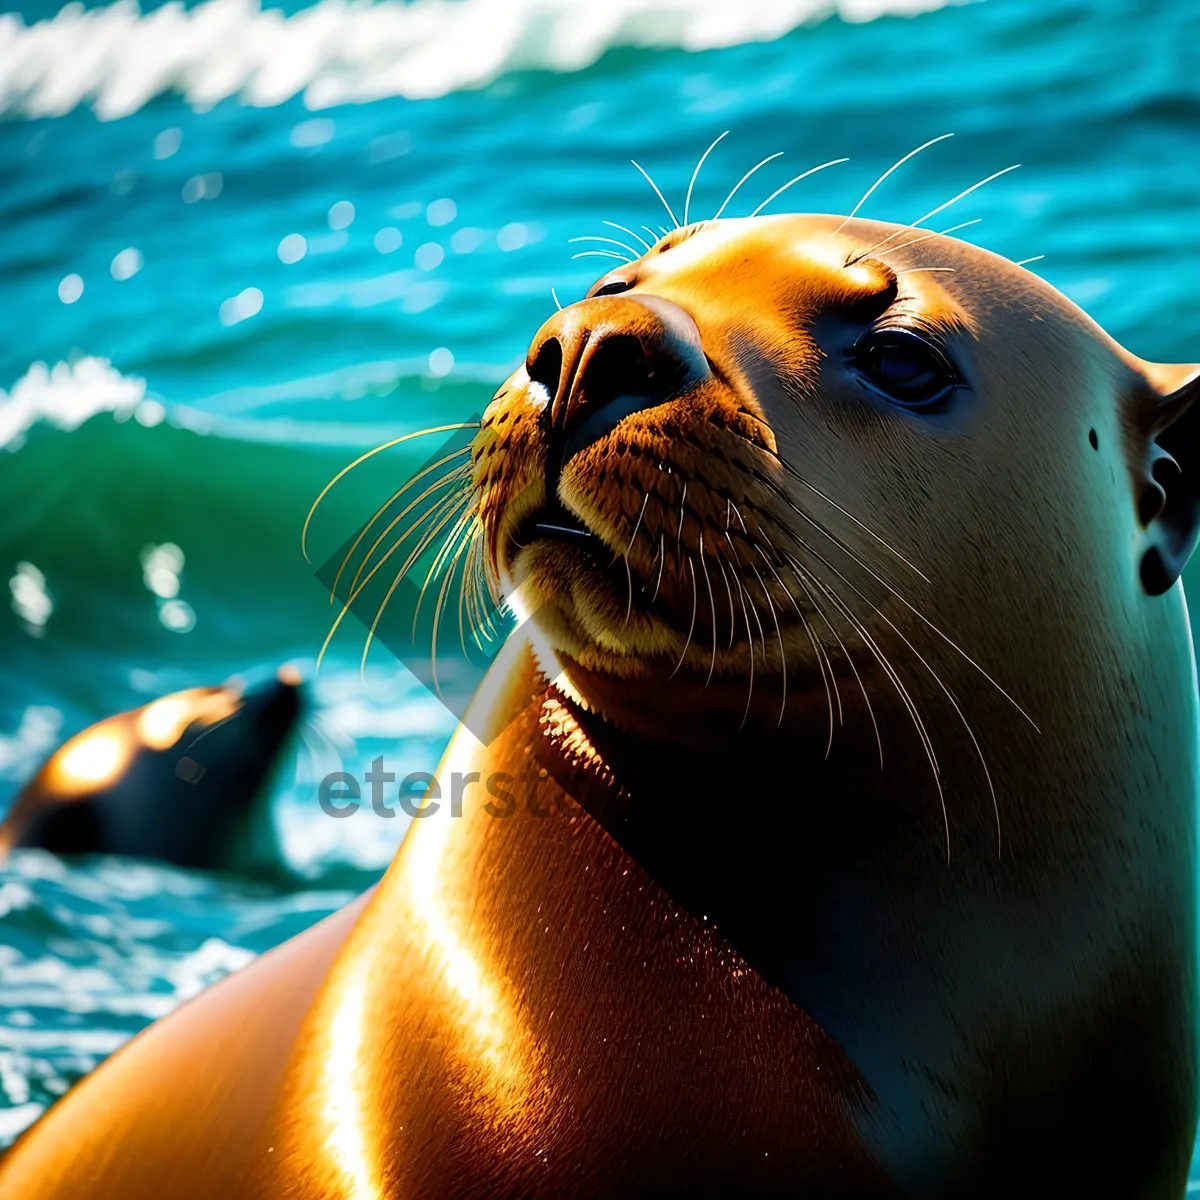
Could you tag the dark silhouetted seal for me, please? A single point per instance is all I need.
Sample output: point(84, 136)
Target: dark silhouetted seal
point(174, 780)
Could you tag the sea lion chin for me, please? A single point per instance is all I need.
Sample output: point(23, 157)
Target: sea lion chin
point(832, 829)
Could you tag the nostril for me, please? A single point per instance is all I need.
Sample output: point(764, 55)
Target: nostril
point(600, 361)
point(545, 367)
point(618, 367)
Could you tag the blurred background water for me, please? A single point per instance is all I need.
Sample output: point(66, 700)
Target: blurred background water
point(238, 248)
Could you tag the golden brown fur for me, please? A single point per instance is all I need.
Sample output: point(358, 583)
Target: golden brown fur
point(853, 771)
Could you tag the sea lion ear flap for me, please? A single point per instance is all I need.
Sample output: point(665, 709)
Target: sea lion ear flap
point(1169, 504)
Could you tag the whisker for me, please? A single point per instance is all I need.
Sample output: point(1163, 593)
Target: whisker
point(464, 601)
point(816, 491)
point(809, 519)
point(355, 592)
point(554, 296)
point(783, 657)
point(482, 612)
point(637, 524)
point(457, 479)
point(729, 593)
point(625, 229)
point(476, 595)
point(833, 162)
point(363, 458)
point(439, 560)
point(823, 660)
point(437, 613)
point(362, 667)
point(862, 687)
point(1026, 261)
point(949, 696)
point(894, 167)
point(625, 556)
point(901, 691)
point(750, 643)
point(933, 212)
point(629, 588)
point(846, 654)
point(771, 567)
point(823, 664)
point(487, 600)
point(442, 480)
point(654, 234)
point(610, 241)
point(692, 626)
point(712, 608)
point(822, 654)
point(657, 192)
point(474, 592)
point(737, 186)
point(443, 512)
point(687, 204)
point(662, 560)
point(940, 233)
point(602, 254)
point(900, 597)
point(396, 583)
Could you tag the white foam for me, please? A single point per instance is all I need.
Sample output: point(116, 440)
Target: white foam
point(24, 750)
point(66, 395)
point(16, 1120)
point(337, 52)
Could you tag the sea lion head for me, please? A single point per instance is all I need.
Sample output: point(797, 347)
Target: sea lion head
point(170, 779)
point(782, 449)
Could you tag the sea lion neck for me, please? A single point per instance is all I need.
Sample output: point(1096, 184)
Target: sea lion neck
point(708, 718)
point(744, 825)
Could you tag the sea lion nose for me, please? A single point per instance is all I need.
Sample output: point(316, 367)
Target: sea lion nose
point(602, 359)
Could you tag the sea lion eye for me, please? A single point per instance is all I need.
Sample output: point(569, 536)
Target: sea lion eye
point(611, 287)
point(904, 368)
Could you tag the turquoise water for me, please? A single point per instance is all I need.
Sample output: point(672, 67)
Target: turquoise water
point(200, 389)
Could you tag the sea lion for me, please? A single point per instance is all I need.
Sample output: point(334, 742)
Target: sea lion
point(175, 779)
point(831, 827)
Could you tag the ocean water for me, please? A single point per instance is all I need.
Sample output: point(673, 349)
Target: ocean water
point(239, 247)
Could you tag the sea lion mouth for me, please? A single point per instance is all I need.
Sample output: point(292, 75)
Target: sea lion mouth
point(555, 521)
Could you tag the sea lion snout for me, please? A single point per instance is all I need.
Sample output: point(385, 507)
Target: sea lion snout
point(610, 356)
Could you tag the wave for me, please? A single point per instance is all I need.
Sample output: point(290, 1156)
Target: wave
point(68, 394)
point(87, 492)
point(98, 948)
point(334, 52)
